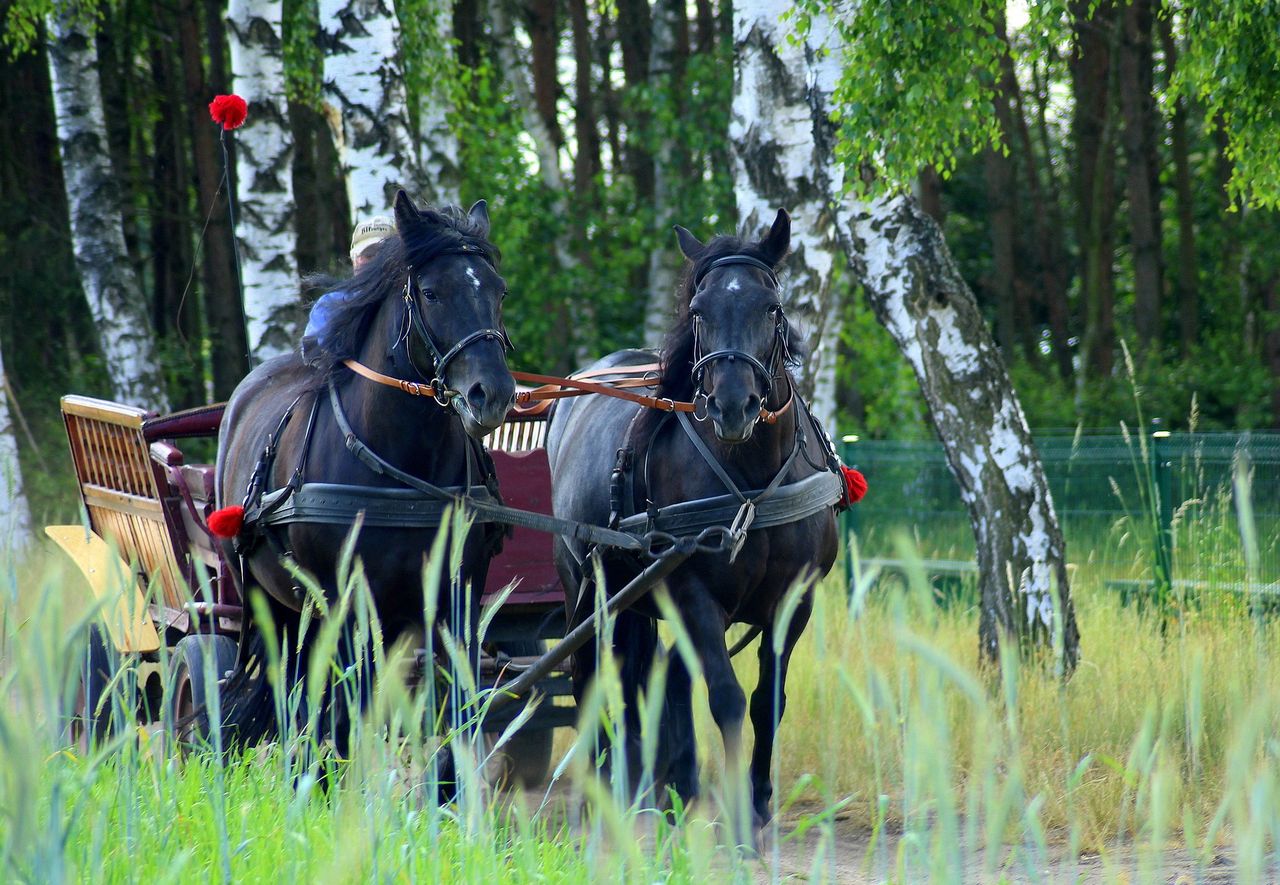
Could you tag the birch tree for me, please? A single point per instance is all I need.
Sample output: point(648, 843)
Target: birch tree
point(663, 272)
point(785, 98)
point(111, 285)
point(15, 517)
point(264, 179)
point(366, 106)
point(776, 165)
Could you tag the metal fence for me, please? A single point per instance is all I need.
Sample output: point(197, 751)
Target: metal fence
point(1131, 508)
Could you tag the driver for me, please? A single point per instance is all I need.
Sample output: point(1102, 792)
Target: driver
point(364, 241)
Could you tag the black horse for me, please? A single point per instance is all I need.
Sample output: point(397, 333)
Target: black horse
point(611, 461)
point(306, 445)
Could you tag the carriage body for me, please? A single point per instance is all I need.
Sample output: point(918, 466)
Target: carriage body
point(163, 579)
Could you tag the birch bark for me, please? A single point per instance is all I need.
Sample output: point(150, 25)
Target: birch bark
point(366, 105)
point(15, 517)
point(663, 270)
point(264, 180)
point(775, 164)
point(437, 146)
point(111, 285)
point(898, 255)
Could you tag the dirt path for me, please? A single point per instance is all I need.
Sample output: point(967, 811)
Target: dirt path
point(848, 855)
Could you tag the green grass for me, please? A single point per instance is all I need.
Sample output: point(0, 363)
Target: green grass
point(1160, 739)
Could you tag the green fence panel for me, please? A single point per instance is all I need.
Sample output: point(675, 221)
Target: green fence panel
point(1160, 507)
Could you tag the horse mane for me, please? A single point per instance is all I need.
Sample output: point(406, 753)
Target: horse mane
point(441, 231)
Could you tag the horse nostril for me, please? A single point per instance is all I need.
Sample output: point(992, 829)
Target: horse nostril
point(713, 407)
point(752, 408)
point(476, 396)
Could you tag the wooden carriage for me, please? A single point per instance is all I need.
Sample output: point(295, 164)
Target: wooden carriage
point(165, 581)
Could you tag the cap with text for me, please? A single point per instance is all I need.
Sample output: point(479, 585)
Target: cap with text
point(369, 233)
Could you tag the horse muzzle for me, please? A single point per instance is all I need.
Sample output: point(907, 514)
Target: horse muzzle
point(483, 405)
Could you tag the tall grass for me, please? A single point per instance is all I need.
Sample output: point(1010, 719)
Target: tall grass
point(897, 750)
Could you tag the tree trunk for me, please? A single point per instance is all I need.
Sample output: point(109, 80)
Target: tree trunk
point(897, 253)
point(517, 81)
point(997, 172)
point(265, 207)
point(1047, 222)
point(635, 29)
point(366, 107)
point(1188, 273)
point(1271, 342)
point(111, 285)
point(1092, 125)
point(223, 316)
point(15, 516)
point(666, 73)
point(544, 43)
point(586, 162)
point(1137, 101)
point(775, 167)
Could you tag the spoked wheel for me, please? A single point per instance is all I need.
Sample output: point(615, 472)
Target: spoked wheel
point(186, 717)
point(526, 758)
point(91, 717)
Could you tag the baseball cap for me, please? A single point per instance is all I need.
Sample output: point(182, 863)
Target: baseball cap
point(369, 232)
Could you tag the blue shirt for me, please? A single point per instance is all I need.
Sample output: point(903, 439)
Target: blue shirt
point(322, 313)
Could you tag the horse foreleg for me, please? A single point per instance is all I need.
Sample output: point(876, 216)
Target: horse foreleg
point(768, 702)
point(705, 623)
point(679, 744)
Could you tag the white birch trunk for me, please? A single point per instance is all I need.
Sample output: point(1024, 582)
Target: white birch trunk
point(265, 207)
point(15, 517)
point(436, 143)
point(664, 266)
point(897, 253)
point(111, 285)
point(366, 106)
point(776, 166)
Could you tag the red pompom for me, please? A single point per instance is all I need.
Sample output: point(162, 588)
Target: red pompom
point(855, 484)
point(229, 110)
point(226, 523)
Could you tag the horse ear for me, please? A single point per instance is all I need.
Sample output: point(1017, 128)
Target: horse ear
point(689, 244)
point(406, 213)
point(778, 240)
point(479, 213)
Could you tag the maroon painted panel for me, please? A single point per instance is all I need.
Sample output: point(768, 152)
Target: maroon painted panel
point(525, 481)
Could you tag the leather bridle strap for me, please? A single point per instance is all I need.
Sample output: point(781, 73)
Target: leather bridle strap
point(581, 387)
point(413, 388)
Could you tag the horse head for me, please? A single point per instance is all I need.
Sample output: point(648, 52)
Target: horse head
point(735, 330)
point(453, 301)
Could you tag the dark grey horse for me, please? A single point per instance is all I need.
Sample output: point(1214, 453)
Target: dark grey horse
point(729, 352)
point(427, 310)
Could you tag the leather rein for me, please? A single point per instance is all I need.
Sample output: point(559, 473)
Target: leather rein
point(530, 403)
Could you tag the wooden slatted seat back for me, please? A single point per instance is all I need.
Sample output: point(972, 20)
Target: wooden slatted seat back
point(121, 489)
point(518, 434)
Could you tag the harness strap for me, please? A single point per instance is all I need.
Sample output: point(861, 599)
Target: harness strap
point(485, 511)
point(413, 388)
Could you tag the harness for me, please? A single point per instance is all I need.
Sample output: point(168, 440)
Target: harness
point(739, 511)
point(735, 513)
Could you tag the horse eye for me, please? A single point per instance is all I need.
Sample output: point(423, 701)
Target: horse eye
point(430, 296)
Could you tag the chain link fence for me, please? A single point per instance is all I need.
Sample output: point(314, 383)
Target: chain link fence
point(1137, 509)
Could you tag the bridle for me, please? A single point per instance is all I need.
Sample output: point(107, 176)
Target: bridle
point(779, 351)
point(437, 387)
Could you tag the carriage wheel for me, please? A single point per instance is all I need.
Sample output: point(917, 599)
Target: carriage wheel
point(91, 719)
point(185, 717)
point(526, 758)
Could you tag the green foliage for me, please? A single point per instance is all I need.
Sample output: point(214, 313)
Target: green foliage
point(915, 85)
point(1231, 65)
point(558, 318)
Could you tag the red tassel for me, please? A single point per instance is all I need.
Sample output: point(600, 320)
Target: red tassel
point(855, 484)
point(226, 523)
